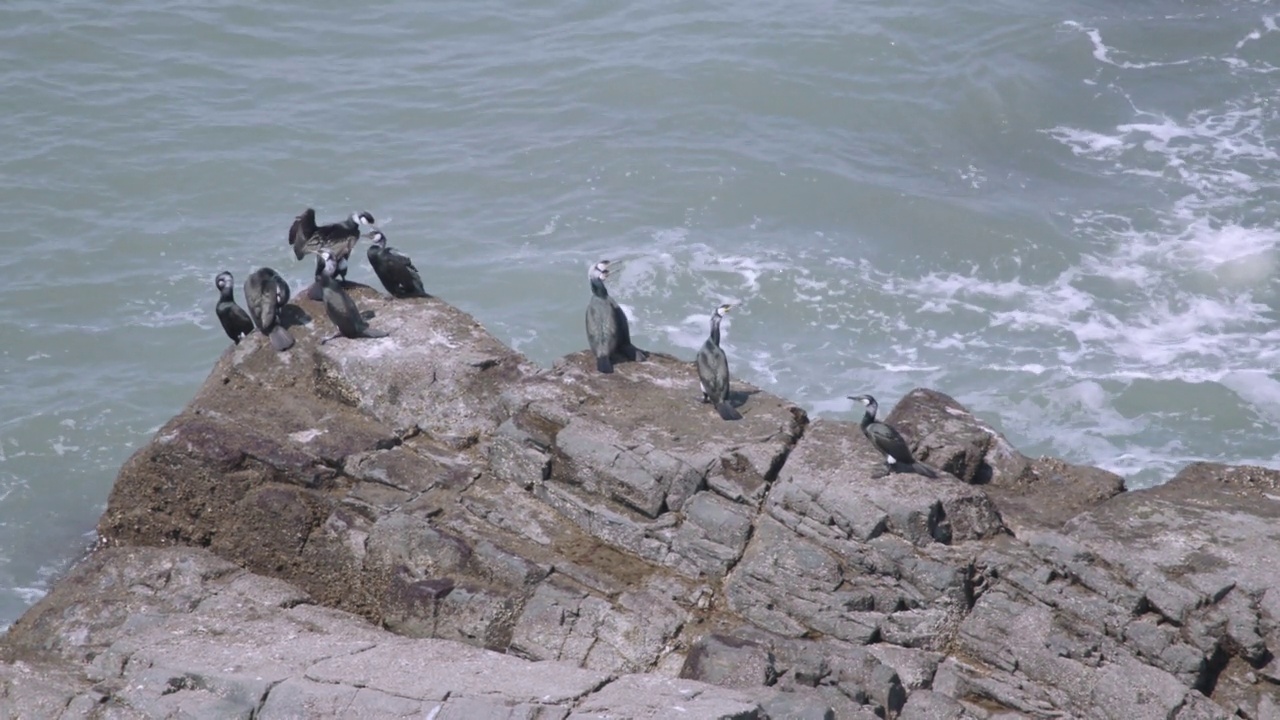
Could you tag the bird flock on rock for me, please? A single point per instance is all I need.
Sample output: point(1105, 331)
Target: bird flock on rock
point(266, 294)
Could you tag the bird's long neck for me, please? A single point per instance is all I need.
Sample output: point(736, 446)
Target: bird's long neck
point(715, 329)
point(228, 294)
point(327, 271)
point(598, 289)
point(308, 225)
point(869, 416)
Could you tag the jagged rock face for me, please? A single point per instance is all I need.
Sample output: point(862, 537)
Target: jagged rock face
point(437, 483)
point(178, 632)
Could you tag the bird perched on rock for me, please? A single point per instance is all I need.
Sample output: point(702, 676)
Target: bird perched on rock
point(338, 238)
point(394, 268)
point(265, 292)
point(235, 321)
point(890, 443)
point(339, 306)
point(713, 369)
point(608, 331)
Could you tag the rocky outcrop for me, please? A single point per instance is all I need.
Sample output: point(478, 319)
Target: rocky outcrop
point(439, 485)
point(178, 632)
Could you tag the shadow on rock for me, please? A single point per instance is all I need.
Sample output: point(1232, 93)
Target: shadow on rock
point(738, 398)
point(292, 316)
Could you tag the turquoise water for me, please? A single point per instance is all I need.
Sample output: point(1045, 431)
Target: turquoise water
point(1063, 214)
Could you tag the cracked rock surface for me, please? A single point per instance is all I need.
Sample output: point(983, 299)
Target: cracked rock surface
point(179, 632)
point(430, 523)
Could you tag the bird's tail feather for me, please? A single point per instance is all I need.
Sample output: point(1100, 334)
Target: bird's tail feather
point(728, 412)
point(281, 340)
point(604, 364)
point(924, 469)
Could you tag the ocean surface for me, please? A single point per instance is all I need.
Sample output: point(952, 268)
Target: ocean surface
point(1063, 214)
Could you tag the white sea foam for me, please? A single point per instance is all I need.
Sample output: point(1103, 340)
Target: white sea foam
point(30, 595)
point(166, 316)
point(692, 331)
point(1196, 273)
point(547, 229)
point(1104, 53)
point(1258, 388)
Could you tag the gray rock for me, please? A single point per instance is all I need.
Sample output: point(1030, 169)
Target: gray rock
point(827, 489)
point(714, 533)
point(862, 677)
point(47, 690)
point(548, 628)
point(438, 670)
point(647, 696)
point(234, 644)
point(781, 583)
point(729, 662)
point(437, 484)
point(915, 668)
point(298, 697)
point(952, 439)
point(438, 370)
point(794, 706)
point(928, 705)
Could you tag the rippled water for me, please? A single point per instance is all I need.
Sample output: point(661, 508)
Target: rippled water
point(1063, 214)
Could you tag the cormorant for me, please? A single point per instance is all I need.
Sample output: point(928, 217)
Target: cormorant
point(305, 236)
point(608, 331)
point(235, 321)
point(897, 455)
point(340, 307)
point(394, 268)
point(713, 369)
point(316, 291)
point(265, 292)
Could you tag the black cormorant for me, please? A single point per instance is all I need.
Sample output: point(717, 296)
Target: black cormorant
point(608, 331)
point(713, 369)
point(341, 309)
point(394, 268)
point(265, 292)
point(897, 455)
point(305, 236)
point(235, 321)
